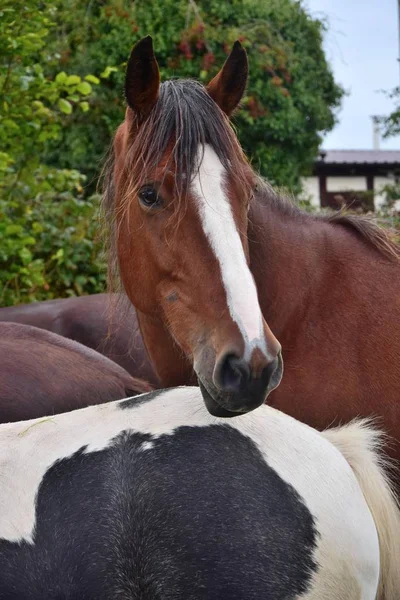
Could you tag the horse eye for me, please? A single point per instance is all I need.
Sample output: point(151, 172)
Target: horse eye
point(149, 197)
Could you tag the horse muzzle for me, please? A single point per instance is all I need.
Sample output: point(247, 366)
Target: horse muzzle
point(235, 388)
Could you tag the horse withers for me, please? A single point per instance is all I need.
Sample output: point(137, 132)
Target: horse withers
point(42, 373)
point(151, 497)
point(215, 261)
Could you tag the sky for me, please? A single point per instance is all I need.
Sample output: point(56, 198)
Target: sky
point(362, 45)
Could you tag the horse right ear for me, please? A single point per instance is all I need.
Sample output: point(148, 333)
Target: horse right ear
point(228, 86)
point(142, 79)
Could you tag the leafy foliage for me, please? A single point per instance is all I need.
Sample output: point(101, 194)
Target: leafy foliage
point(390, 124)
point(61, 79)
point(46, 229)
point(49, 246)
point(291, 96)
point(32, 104)
point(389, 213)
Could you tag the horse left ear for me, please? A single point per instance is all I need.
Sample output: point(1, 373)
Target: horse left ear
point(228, 86)
point(142, 79)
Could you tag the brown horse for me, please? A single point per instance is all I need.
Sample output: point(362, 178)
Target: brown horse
point(108, 325)
point(209, 254)
point(42, 374)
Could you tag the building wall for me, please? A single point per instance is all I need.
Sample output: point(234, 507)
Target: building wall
point(342, 184)
point(333, 184)
point(346, 183)
point(379, 183)
point(311, 190)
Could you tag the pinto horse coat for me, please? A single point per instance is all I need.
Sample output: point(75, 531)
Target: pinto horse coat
point(152, 497)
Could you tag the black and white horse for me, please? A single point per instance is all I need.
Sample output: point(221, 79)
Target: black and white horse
point(153, 498)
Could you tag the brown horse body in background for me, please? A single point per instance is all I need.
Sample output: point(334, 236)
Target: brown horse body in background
point(328, 287)
point(42, 374)
point(100, 322)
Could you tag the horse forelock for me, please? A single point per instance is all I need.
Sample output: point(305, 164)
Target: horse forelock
point(184, 118)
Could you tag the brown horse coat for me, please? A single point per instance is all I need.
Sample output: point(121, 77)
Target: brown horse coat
point(42, 374)
point(327, 287)
point(99, 321)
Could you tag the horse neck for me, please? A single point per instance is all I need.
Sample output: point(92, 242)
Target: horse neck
point(170, 364)
point(286, 260)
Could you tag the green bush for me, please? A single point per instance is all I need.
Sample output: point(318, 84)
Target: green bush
point(48, 240)
point(61, 79)
point(291, 99)
point(388, 215)
point(47, 228)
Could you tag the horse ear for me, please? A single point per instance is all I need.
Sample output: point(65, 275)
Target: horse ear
point(142, 79)
point(228, 86)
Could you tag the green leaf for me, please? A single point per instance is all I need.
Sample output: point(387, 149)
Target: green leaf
point(73, 80)
point(11, 125)
point(25, 255)
point(28, 241)
point(61, 77)
point(84, 88)
point(11, 229)
point(84, 106)
point(37, 227)
point(58, 255)
point(107, 72)
point(65, 106)
point(92, 79)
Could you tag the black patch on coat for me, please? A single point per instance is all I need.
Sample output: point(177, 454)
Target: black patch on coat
point(201, 515)
point(138, 400)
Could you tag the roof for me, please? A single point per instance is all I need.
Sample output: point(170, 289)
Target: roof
point(359, 157)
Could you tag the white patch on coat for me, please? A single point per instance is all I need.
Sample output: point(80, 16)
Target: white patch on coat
point(29, 448)
point(347, 550)
point(147, 446)
point(221, 231)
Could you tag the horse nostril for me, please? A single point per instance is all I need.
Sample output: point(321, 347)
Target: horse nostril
point(233, 373)
point(270, 370)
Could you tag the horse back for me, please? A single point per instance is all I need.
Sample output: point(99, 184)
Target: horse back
point(156, 500)
point(44, 374)
point(135, 523)
point(100, 321)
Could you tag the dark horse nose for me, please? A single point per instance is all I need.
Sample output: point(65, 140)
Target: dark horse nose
point(243, 384)
point(232, 373)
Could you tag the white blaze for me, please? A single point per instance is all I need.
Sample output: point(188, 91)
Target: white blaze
point(221, 231)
